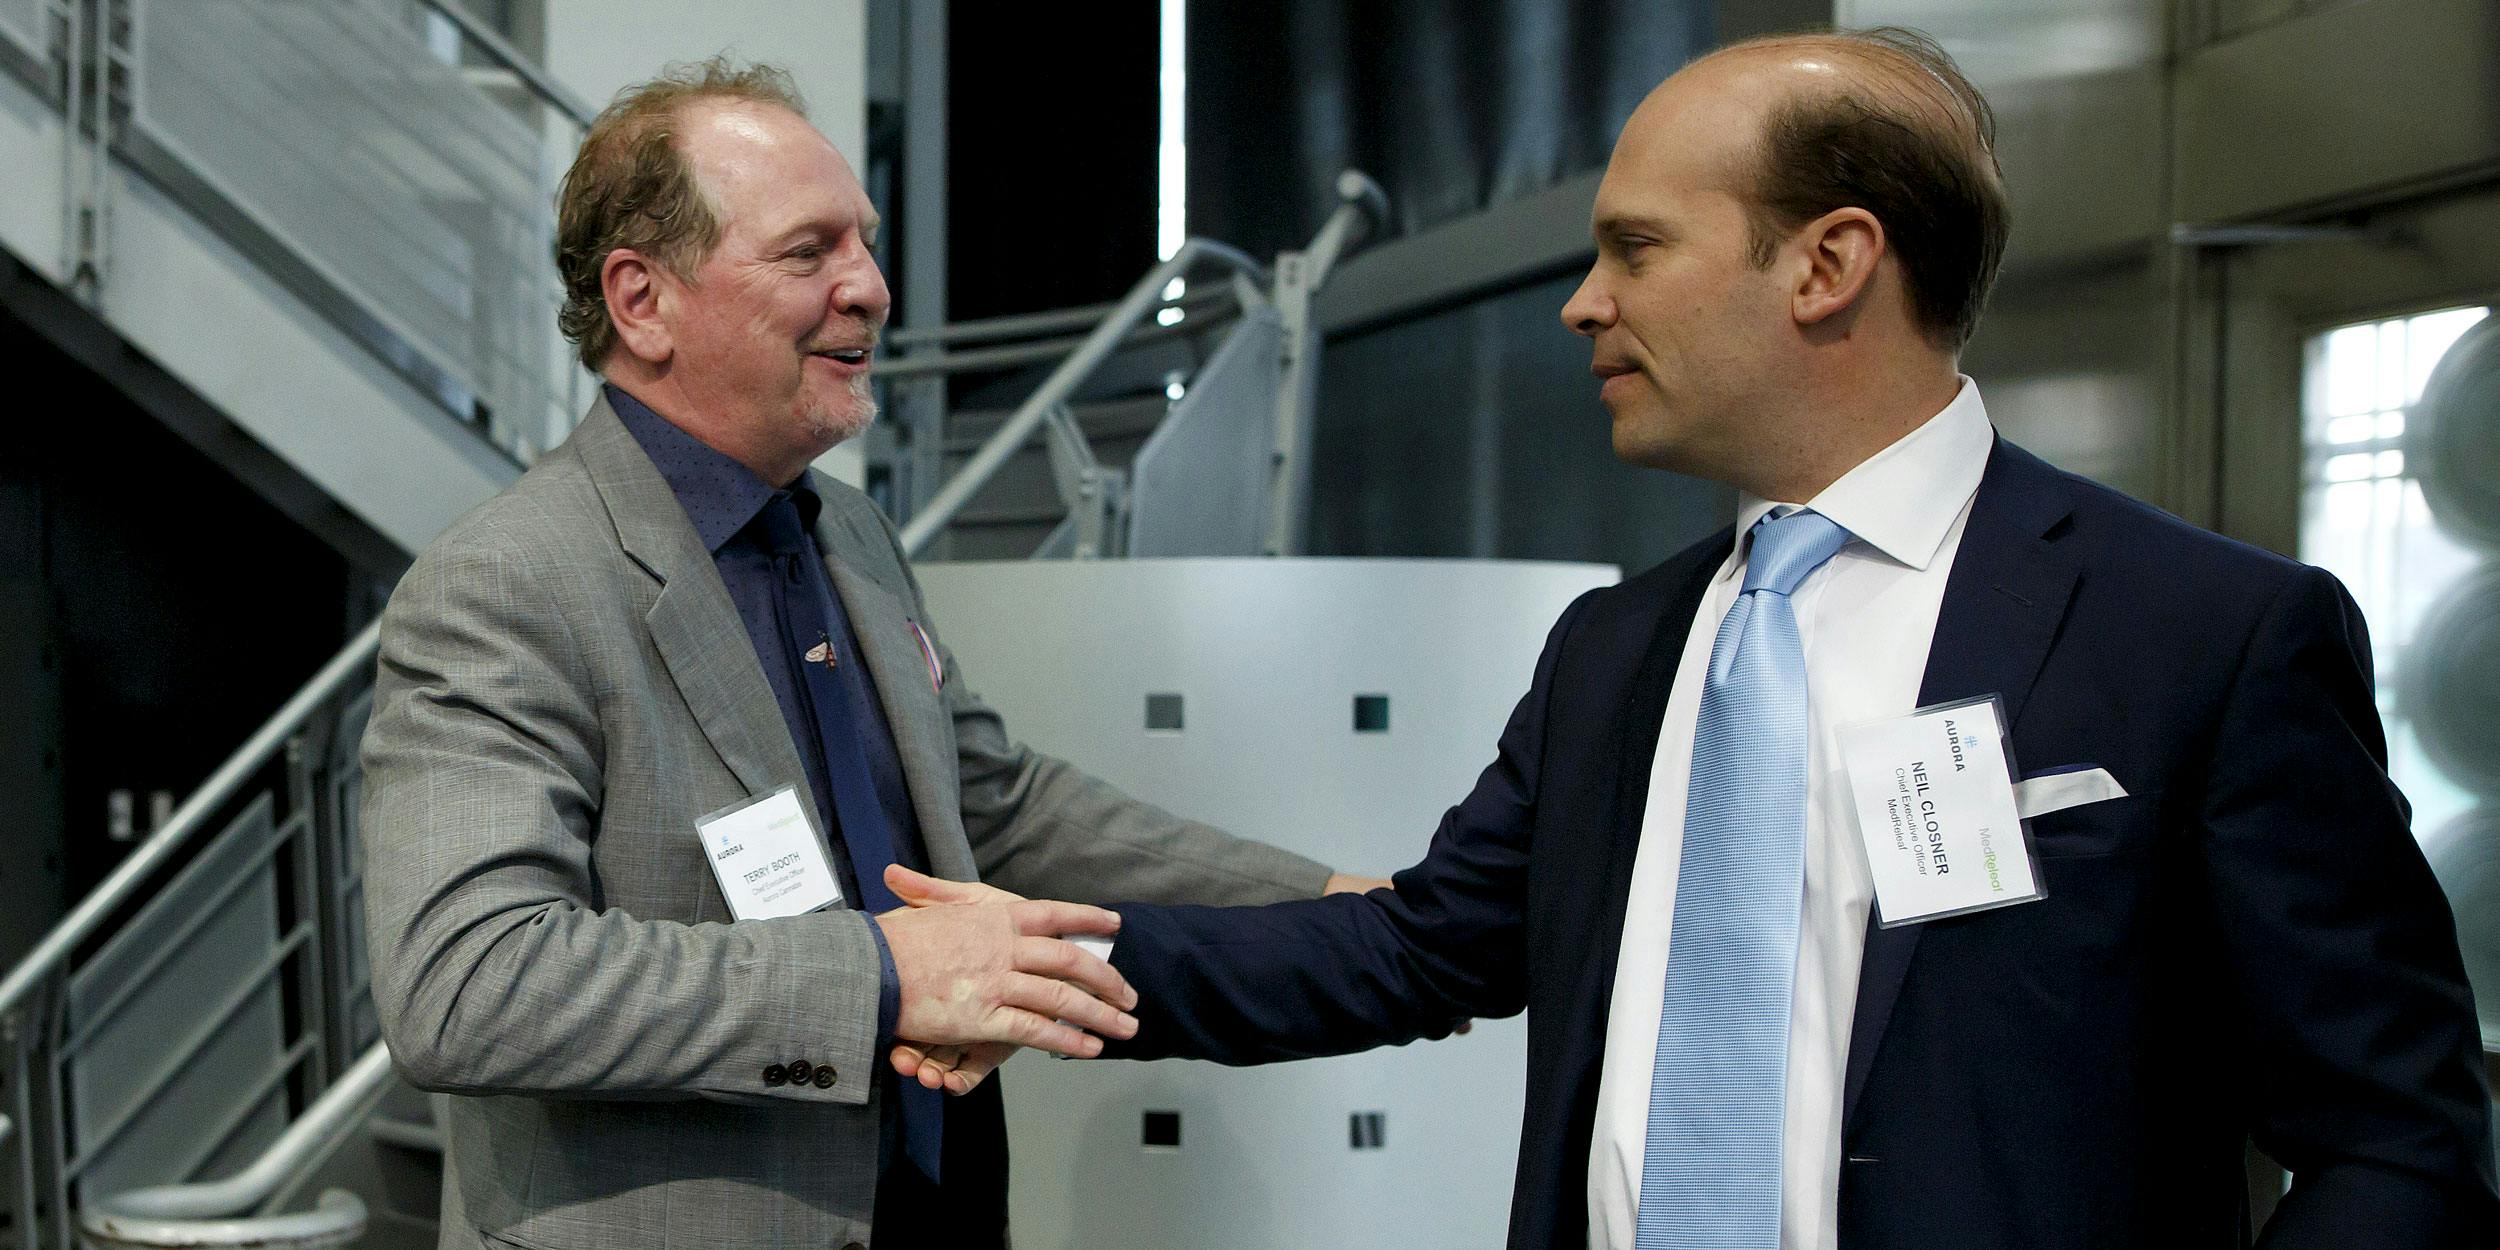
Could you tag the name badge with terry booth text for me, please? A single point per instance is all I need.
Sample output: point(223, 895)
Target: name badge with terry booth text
point(1937, 812)
point(767, 858)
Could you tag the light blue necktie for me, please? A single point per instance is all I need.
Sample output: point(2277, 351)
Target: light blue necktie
point(1718, 1093)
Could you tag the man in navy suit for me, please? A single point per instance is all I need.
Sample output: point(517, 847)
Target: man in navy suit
point(1662, 867)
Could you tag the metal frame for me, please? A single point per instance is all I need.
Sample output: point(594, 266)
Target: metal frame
point(1096, 496)
point(1224, 303)
point(1299, 277)
point(31, 61)
point(207, 1214)
point(93, 76)
point(1062, 383)
point(316, 763)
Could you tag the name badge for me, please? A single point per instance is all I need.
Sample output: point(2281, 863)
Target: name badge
point(767, 858)
point(1934, 793)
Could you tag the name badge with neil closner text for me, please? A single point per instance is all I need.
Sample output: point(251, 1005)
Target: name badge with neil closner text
point(1937, 812)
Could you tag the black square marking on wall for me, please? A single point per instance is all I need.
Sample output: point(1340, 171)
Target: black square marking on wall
point(1161, 1131)
point(1367, 1130)
point(1163, 712)
point(1371, 713)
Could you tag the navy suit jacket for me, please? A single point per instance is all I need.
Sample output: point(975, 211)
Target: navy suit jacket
point(2249, 946)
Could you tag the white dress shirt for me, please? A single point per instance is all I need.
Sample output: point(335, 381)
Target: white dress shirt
point(1866, 619)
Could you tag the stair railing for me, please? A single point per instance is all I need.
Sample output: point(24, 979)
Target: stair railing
point(1091, 492)
point(1063, 381)
point(413, 234)
point(108, 966)
point(219, 1213)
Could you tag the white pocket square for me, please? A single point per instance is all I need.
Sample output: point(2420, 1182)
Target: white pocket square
point(2055, 792)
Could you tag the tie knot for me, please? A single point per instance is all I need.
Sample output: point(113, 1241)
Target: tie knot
point(1785, 550)
point(783, 532)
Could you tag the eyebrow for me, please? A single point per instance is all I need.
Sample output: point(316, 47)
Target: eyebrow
point(798, 234)
point(1617, 225)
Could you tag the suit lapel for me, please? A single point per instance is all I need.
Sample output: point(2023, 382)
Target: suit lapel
point(2003, 604)
point(694, 625)
point(1658, 648)
point(906, 687)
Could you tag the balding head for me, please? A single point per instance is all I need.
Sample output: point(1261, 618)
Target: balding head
point(1881, 120)
point(1794, 238)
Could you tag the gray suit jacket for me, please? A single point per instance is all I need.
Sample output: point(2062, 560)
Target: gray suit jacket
point(565, 687)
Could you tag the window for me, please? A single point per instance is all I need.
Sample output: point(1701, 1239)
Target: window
point(2363, 517)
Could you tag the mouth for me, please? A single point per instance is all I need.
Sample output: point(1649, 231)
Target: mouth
point(848, 360)
point(1612, 379)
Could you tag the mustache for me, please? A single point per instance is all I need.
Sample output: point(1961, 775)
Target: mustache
point(864, 340)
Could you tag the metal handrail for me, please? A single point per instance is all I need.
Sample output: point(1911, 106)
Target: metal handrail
point(531, 75)
point(64, 939)
point(1062, 384)
point(1027, 325)
point(1362, 205)
point(1361, 201)
point(982, 358)
point(213, 1213)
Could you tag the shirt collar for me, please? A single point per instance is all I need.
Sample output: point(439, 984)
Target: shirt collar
point(1902, 501)
point(719, 494)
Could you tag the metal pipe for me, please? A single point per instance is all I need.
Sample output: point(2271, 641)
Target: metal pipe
point(537, 79)
point(982, 358)
point(209, 1214)
point(1361, 202)
point(1022, 325)
point(1062, 383)
point(73, 930)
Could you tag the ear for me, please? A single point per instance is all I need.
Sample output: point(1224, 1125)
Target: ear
point(638, 291)
point(1842, 249)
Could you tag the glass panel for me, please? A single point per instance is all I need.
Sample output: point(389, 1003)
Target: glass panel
point(2365, 520)
point(420, 183)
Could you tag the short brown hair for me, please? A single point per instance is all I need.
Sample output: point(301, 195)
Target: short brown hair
point(1912, 142)
point(630, 186)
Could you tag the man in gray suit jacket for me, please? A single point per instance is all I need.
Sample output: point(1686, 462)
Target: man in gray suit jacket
point(669, 616)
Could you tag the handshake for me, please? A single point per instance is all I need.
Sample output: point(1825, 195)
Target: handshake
point(986, 973)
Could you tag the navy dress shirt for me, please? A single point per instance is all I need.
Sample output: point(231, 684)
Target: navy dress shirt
point(725, 501)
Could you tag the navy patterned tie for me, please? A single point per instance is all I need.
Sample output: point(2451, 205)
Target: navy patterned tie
point(803, 592)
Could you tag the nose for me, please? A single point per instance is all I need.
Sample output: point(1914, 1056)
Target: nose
point(860, 293)
point(1589, 310)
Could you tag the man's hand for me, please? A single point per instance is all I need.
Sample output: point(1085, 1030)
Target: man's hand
point(953, 1068)
point(959, 1068)
point(994, 971)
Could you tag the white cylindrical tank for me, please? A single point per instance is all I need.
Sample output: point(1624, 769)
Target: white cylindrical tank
point(1332, 707)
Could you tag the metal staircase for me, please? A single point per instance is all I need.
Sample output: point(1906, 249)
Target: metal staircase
point(1224, 471)
point(190, 1057)
point(305, 210)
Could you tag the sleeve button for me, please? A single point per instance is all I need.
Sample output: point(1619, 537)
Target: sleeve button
point(801, 1072)
point(825, 1077)
point(774, 1074)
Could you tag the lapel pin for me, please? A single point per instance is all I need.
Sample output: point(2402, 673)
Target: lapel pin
point(822, 653)
point(928, 652)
